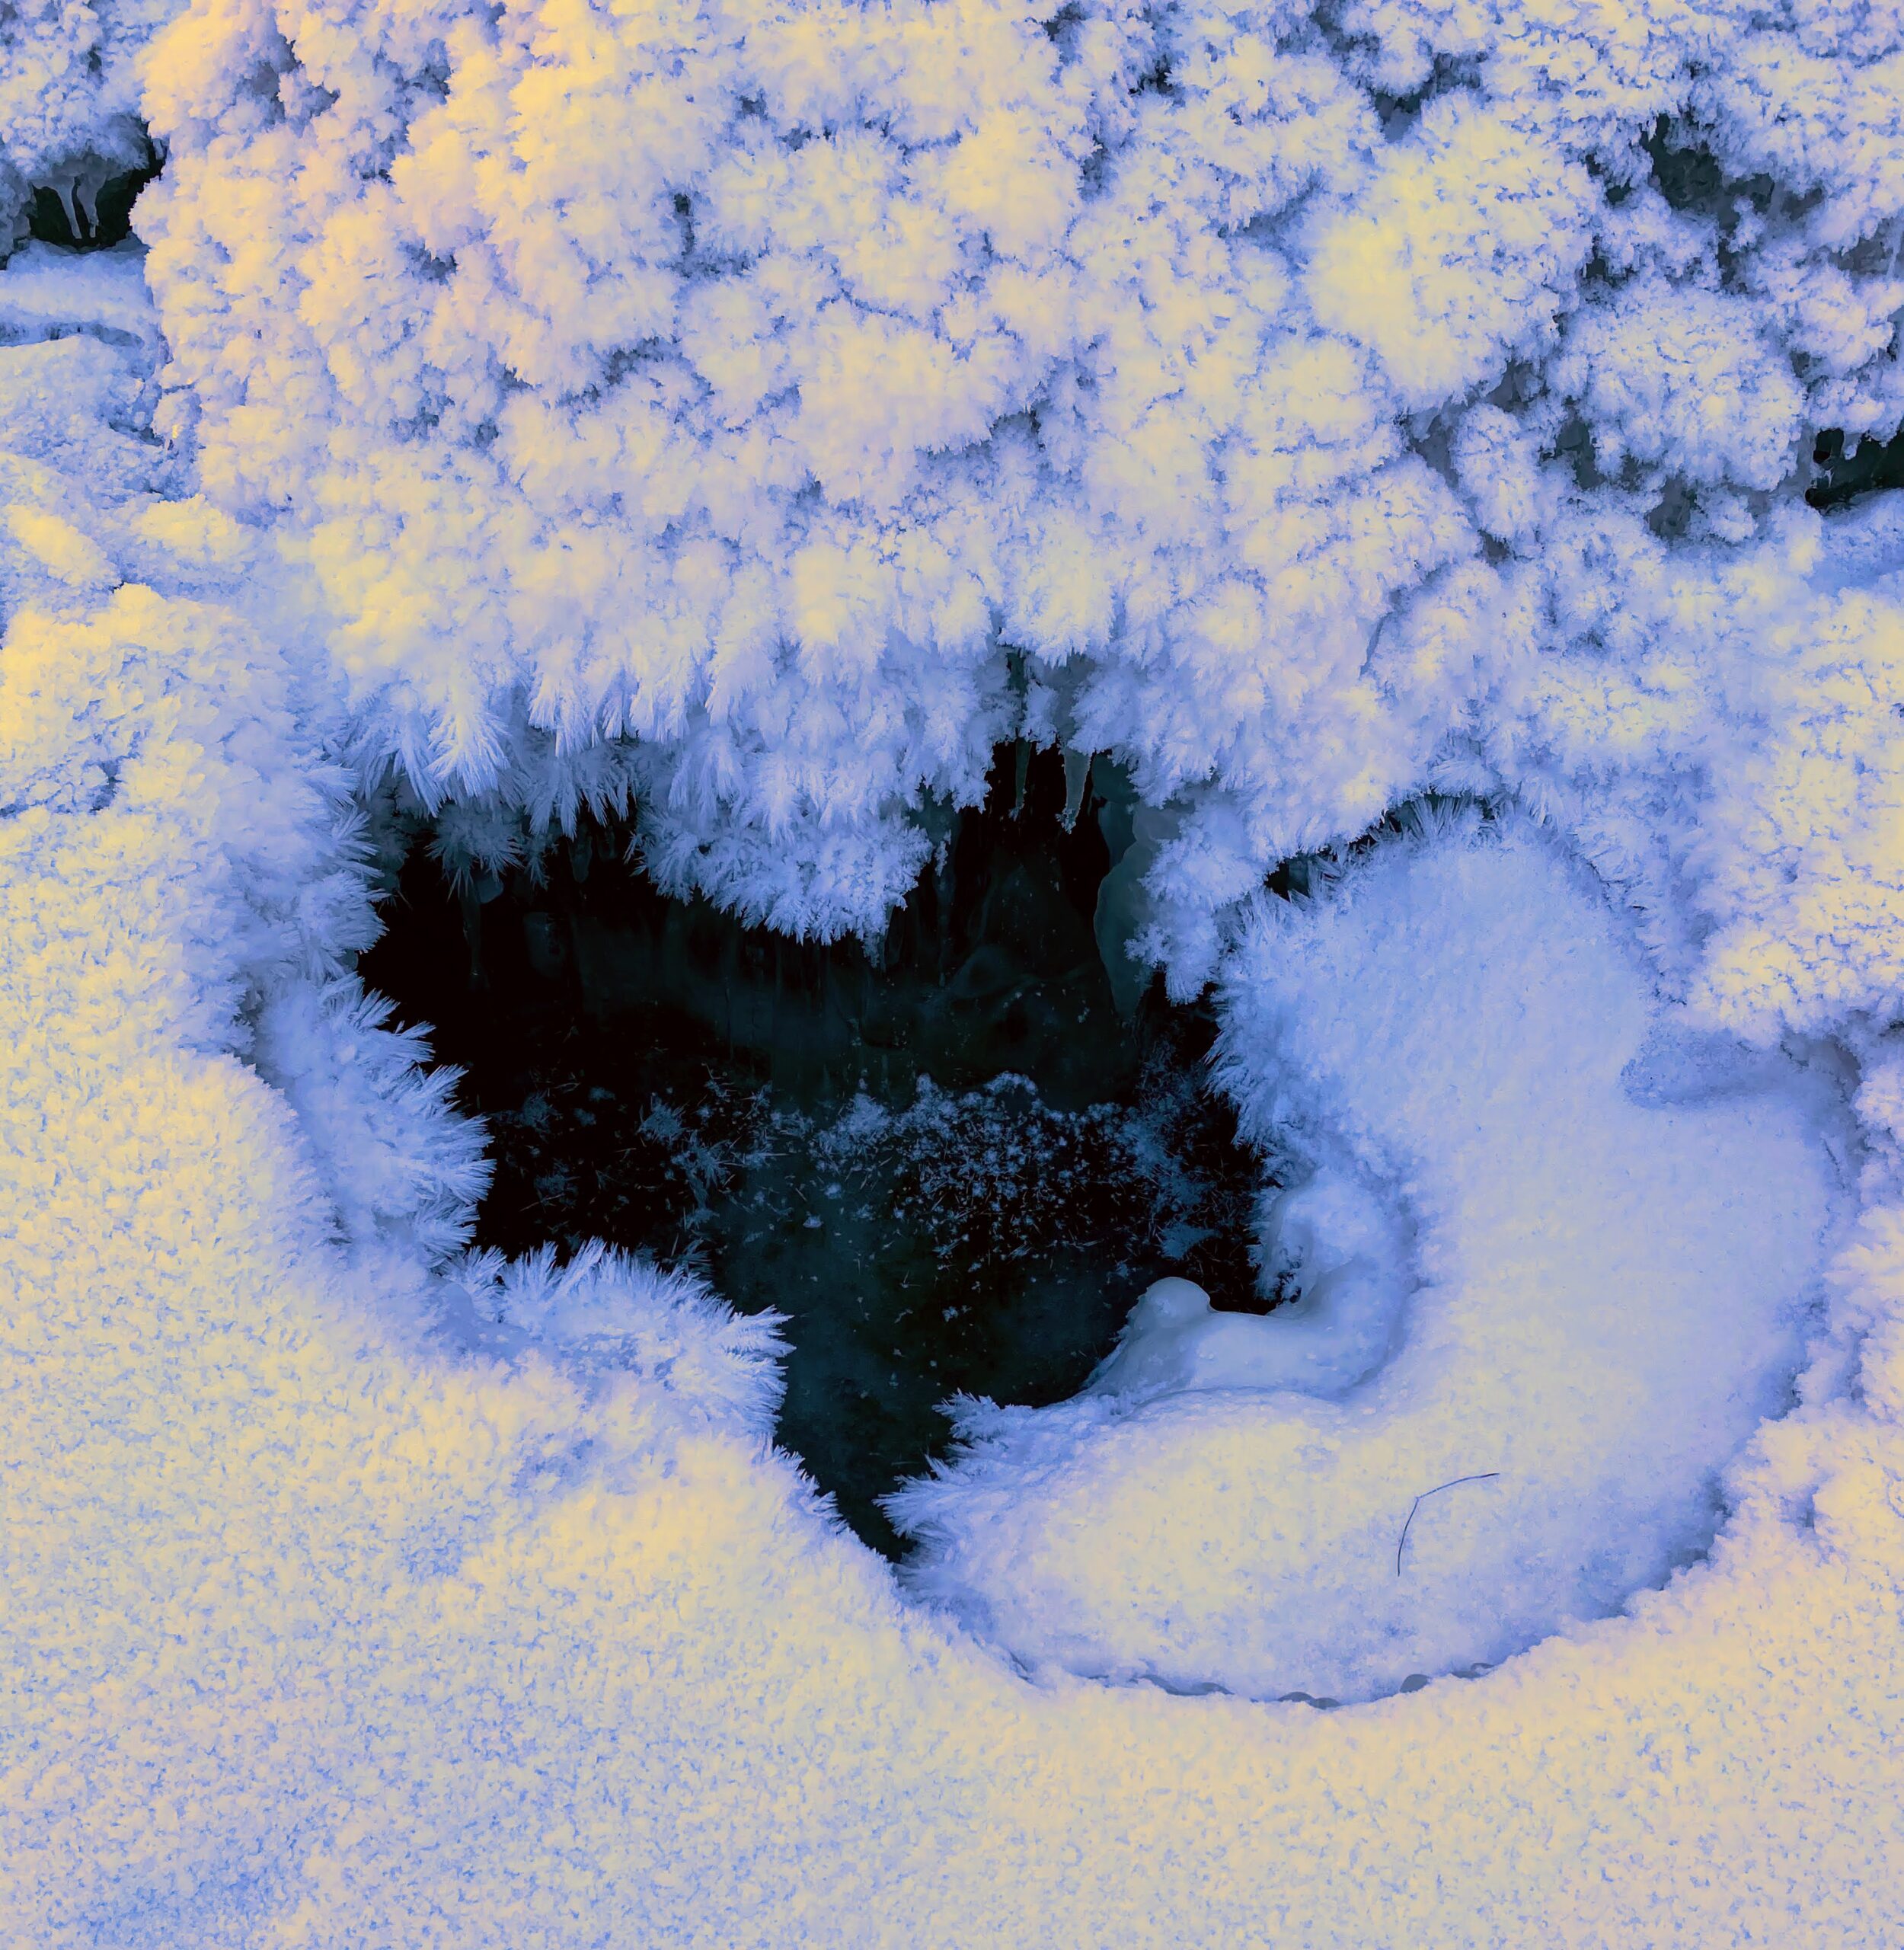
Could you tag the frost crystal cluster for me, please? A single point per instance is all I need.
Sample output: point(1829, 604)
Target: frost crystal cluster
point(766, 410)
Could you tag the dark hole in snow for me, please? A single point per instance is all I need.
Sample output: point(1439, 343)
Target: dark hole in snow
point(954, 1171)
point(1841, 473)
point(89, 206)
point(1688, 175)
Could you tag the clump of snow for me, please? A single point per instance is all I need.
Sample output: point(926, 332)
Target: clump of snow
point(606, 1314)
point(47, 288)
point(1675, 376)
point(1342, 1254)
point(1611, 1249)
point(1722, 730)
point(1457, 256)
point(69, 94)
point(801, 405)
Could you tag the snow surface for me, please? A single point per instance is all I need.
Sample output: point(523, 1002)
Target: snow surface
point(351, 1603)
point(46, 287)
point(818, 394)
point(1611, 1230)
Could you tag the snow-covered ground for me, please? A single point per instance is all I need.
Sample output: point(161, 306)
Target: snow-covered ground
point(1307, 412)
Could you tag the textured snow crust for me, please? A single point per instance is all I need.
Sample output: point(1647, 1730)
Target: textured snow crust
point(357, 1592)
point(1725, 738)
point(1613, 1225)
point(350, 1601)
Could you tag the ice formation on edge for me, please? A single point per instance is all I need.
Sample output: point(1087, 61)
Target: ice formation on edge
point(813, 397)
point(1615, 1231)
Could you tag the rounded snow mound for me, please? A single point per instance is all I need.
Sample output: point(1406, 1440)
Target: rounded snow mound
point(1555, 1256)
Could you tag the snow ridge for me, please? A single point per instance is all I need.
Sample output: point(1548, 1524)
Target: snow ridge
point(1616, 1226)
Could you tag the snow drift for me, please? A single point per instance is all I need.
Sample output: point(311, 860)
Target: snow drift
point(1614, 1227)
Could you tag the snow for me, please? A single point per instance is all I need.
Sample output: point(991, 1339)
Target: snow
point(757, 414)
point(328, 1623)
point(1679, 373)
point(1609, 1233)
point(1341, 1325)
point(46, 286)
point(69, 93)
point(1455, 258)
point(1722, 732)
point(693, 377)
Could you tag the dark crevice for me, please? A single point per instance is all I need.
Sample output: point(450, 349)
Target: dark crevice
point(89, 206)
point(1869, 467)
point(1693, 180)
point(951, 1160)
point(1689, 176)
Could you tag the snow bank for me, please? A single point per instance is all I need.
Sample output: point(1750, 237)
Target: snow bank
point(351, 1602)
point(817, 397)
point(1613, 1230)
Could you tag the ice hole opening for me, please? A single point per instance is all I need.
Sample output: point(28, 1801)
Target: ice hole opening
point(87, 205)
point(952, 1161)
point(1844, 470)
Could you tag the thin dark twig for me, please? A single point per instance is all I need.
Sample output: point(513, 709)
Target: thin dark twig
point(1481, 1477)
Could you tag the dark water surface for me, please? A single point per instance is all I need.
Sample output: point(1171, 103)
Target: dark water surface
point(954, 1171)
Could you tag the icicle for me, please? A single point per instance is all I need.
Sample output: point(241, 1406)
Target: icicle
point(471, 907)
point(1077, 782)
